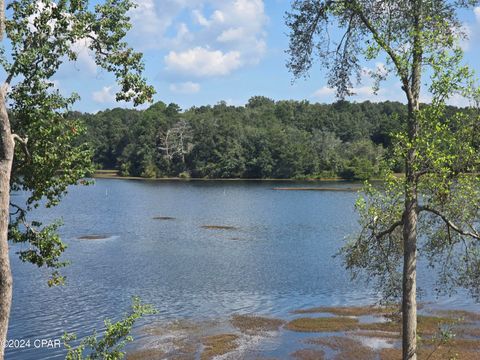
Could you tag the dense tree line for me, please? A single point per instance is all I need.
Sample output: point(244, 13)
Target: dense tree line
point(263, 139)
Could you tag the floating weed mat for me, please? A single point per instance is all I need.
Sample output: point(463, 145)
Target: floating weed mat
point(217, 345)
point(350, 311)
point(323, 324)
point(219, 227)
point(308, 354)
point(255, 325)
point(347, 189)
point(345, 348)
point(94, 237)
point(343, 335)
point(204, 340)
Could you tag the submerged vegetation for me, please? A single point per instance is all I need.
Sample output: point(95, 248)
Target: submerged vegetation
point(217, 345)
point(343, 333)
point(93, 237)
point(218, 227)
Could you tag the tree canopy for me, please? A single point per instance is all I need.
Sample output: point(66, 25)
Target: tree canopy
point(414, 38)
point(39, 37)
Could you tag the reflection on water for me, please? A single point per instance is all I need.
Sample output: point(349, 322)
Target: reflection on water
point(227, 247)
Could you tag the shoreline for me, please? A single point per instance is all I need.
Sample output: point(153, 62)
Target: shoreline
point(316, 333)
point(113, 174)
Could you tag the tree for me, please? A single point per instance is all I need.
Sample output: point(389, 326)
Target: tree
point(110, 346)
point(414, 36)
point(176, 141)
point(41, 36)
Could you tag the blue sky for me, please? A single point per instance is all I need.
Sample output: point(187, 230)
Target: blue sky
point(200, 52)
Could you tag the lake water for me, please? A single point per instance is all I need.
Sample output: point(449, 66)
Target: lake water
point(279, 257)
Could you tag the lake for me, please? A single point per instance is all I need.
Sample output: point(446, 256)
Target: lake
point(277, 257)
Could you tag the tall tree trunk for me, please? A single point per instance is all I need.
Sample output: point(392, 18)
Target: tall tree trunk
point(2, 18)
point(6, 159)
point(409, 300)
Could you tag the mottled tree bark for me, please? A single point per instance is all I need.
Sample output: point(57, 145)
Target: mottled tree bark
point(409, 300)
point(2, 19)
point(409, 286)
point(6, 159)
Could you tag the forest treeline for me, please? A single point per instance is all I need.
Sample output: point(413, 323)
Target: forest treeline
point(263, 139)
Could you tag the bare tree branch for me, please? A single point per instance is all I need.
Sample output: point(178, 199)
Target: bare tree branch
point(24, 142)
point(389, 230)
point(474, 234)
point(356, 8)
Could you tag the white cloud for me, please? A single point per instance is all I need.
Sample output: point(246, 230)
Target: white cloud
point(381, 69)
point(232, 34)
point(185, 88)
point(459, 101)
point(146, 19)
point(85, 60)
point(41, 7)
point(106, 95)
point(203, 62)
point(324, 92)
point(227, 29)
point(199, 18)
point(84, 57)
point(466, 33)
point(218, 16)
point(389, 90)
point(364, 92)
point(472, 32)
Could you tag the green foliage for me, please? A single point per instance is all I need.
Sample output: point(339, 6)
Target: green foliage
point(51, 154)
point(110, 345)
point(263, 139)
point(447, 165)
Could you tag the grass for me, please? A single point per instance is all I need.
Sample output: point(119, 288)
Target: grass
point(308, 354)
point(93, 237)
point(459, 314)
point(217, 345)
point(346, 321)
point(218, 227)
point(316, 189)
point(429, 325)
point(346, 348)
point(467, 331)
point(378, 334)
point(444, 352)
point(255, 324)
point(209, 340)
point(388, 326)
point(146, 354)
point(323, 324)
point(348, 310)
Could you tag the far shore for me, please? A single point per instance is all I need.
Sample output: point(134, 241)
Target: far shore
point(113, 174)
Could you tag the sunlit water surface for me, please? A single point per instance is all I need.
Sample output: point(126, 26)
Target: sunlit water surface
point(279, 257)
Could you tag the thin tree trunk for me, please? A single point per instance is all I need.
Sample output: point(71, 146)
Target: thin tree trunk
point(409, 299)
point(2, 19)
point(6, 158)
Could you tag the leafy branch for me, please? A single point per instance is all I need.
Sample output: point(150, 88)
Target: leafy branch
point(116, 336)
